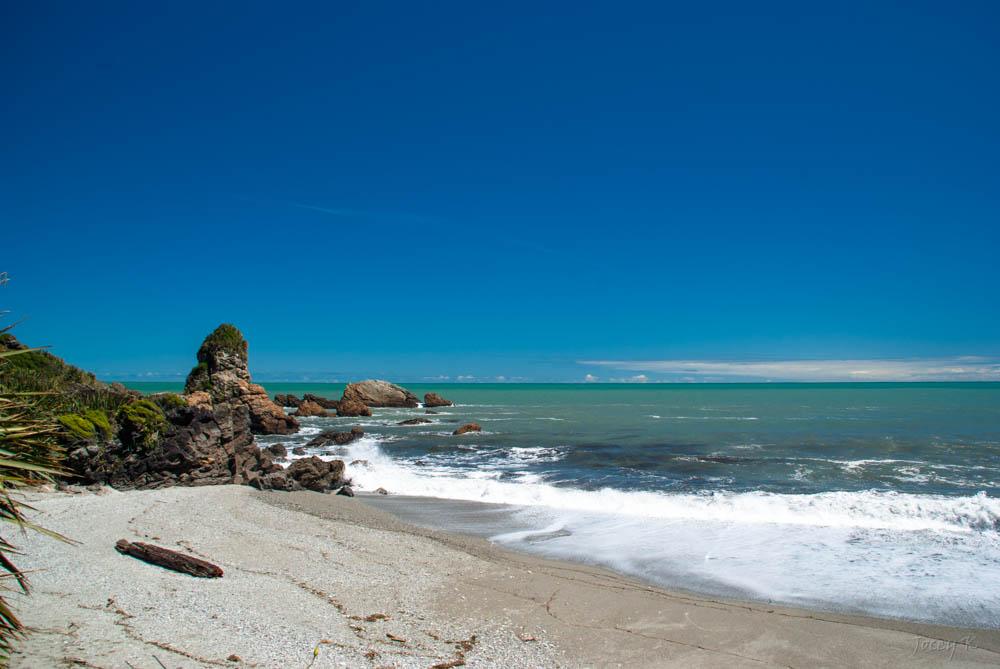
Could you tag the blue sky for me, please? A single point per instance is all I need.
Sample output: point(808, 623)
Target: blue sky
point(626, 191)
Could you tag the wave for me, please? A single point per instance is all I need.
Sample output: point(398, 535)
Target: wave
point(871, 509)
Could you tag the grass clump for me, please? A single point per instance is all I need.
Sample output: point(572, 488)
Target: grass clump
point(77, 426)
point(100, 421)
point(142, 423)
point(169, 401)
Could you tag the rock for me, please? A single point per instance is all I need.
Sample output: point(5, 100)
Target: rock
point(234, 658)
point(349, 407)
point(316, 474)
point(414, 421)
point(435, 400)
point(222, 373)
point(435, 413)
point(468, 427)
point(381, 491)
point(346, 491)
point(299, 450)
point(322, 401)
point(278, 450)
point(359, 463)
point(287, 401)
point(338, 438)
point(310, 408)
point(375, 393)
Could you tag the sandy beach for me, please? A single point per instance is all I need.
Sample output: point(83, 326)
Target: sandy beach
point(308, 573)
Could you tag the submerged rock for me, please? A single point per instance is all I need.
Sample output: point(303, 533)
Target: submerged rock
point(435, 400)
point(334, 437)
point(381, 491)
point(468, 427)
point(376, 393)
point(414, 421)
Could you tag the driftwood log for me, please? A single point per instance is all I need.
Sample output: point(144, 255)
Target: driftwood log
point(169, 559)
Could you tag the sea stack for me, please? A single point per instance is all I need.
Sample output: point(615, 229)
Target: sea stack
point(222, 373)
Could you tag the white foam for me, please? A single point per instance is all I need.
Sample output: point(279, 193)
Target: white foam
point(864, 509)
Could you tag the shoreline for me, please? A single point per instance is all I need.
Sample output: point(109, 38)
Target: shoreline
point(307, 570)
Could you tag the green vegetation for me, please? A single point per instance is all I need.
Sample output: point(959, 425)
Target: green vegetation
point(168, 401)
point(100, 421)
point(29, 456)
point(78, 426)
point(198, 379)
point(226, 338)
point(142, 423)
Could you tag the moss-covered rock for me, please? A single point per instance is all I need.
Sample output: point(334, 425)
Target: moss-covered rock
point(77, 427)
point(142, 422)
point(198, 379)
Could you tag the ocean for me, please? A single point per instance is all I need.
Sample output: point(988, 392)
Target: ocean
point(881, 499)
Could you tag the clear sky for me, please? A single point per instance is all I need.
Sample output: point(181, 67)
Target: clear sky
point(538, 191)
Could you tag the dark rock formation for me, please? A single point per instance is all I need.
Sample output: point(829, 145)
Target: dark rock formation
point(299, 450)
point(287, 401)
point(222, 373)
point(322, 401)
point(350, 407)
point(316, 474)
point(278, 450)
point(334, 437)
point(414, 421)
point(374, 393)
point(310, 408)
point(346, 491)
point(435, 400)
point(468, 427)
point(359, 463)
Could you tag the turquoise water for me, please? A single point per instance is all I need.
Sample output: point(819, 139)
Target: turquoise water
point(880, 498)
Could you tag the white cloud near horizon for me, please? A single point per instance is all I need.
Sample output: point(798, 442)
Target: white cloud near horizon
point(965, 368)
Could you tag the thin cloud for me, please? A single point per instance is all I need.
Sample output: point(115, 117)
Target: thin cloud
point(926, 369)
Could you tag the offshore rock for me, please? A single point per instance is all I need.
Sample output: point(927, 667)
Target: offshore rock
point(468, 427)
point(315, 474)
point(310, 408)
point(287, 401)
point(349, 407)
point(375, 393)
point(434, 400)
point(322, 401)
point(333, 437)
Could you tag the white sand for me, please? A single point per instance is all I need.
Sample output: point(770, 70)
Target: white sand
point(305, 570)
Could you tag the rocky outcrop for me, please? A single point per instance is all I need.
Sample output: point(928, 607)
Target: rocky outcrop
point(324, 402)
point(468, 427)
point(310, 408)
point(353, 408)
point(278, 451)
point(287, 401)
point(434, 400)
point(375, 393)
point(192, 446)
point(222, 373)
point(333, 437)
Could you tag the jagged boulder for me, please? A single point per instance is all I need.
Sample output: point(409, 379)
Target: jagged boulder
point(222, 373)
point(310, 408)
point(322, 401)
point(375, 393)
point(353, 408)
point(287, 401)
point(316, 474)
point(434, 400)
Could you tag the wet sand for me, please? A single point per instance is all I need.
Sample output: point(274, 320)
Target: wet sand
point(307, 572)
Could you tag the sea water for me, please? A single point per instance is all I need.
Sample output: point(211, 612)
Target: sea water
point(873, 498)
